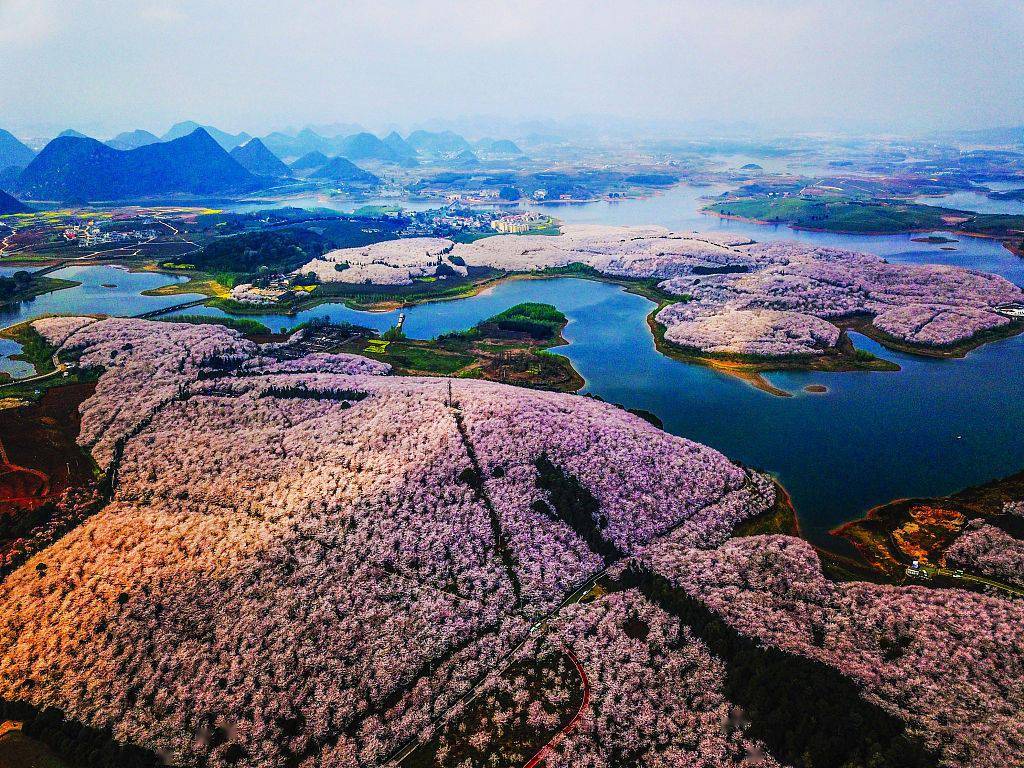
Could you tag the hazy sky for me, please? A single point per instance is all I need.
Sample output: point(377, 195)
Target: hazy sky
point(113, 64)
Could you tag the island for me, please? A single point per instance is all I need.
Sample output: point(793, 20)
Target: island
point(509, 347)
point(848, 215)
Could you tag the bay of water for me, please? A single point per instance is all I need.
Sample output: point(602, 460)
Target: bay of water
point(977, 202)
point(93, 296)
point(932, 428)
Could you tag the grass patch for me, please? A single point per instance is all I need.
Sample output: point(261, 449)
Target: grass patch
point(35, 349)
point(207, 285)
point(418, 357)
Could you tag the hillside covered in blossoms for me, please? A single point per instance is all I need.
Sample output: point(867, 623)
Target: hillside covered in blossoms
point(306, 561)
point(734, 297)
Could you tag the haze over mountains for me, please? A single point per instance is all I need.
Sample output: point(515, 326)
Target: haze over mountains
point(227, 140)
point(194, 159)
point(13, 152)
point(133, 139)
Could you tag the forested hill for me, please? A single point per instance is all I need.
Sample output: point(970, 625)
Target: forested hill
point(72, 168)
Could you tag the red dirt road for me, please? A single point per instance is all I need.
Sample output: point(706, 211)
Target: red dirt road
point(538, 758)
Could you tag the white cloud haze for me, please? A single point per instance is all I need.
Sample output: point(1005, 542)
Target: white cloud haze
point(258, 65)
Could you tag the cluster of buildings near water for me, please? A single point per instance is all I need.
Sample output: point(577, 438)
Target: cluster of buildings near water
point(518, 224)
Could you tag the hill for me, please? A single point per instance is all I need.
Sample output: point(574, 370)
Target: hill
point(10, 204)
point(302, 143)
point(260, 161)
point(311, 161)
point(438, 144)
point(306, 560)
point(465, 159)
point(344, 171)
point(503, 147)
point(12, 152)
point(399, 147)
point(133, 139)
point(72, 133)
point(366, 146)
point(227, 140)
point(73, 168)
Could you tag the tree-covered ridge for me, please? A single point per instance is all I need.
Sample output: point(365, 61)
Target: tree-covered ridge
point(287, 248)
point(344, 575)
point(541, 321)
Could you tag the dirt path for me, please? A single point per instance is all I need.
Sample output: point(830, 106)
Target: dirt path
point(538, 758)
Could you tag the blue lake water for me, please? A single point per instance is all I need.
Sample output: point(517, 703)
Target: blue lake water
point(932, 428)
point(92, 296)
point(978, 202)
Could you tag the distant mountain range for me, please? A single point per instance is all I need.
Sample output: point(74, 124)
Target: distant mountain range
point(227, 140)
point(71, 168)
point(502, 147)
point(13, 154)
point(9, 205)
point(438, 144)
point(194, 159)
point(366, 146)
point(1008, 136)
point(260, 161)
point(343, 171)
point(133, 139)
point(391, 149)
point(302, 143)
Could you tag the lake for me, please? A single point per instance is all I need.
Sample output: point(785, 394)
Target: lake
point(978, 202)
point(932, 428)
point(125, 298)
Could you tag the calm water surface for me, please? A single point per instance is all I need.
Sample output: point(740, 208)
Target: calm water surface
point(932, 428)
point(94, 295)
point(978, 202)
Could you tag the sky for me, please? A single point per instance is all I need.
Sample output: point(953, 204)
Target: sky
point(792, 65)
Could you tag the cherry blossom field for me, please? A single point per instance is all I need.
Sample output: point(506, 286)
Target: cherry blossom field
point(739, 298)
point(310, 562)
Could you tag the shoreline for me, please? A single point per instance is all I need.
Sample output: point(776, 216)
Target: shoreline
point(1005, 241)
point(842, 360)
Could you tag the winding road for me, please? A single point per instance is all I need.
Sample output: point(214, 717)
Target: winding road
point(538, 758)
